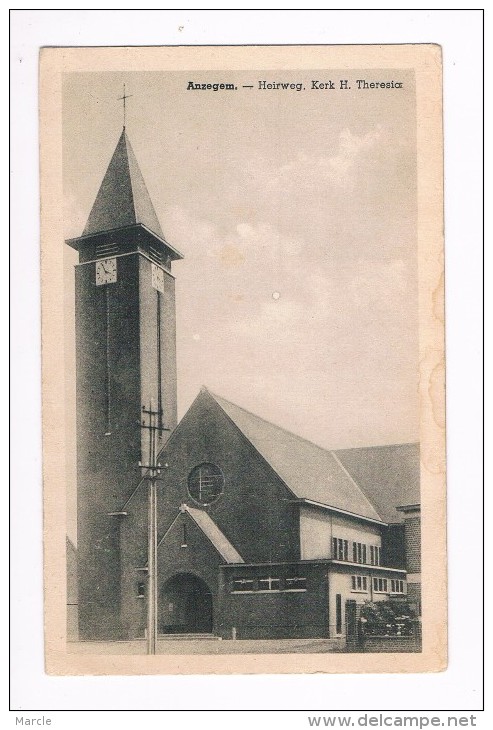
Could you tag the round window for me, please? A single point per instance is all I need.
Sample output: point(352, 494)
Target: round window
point(205, 483)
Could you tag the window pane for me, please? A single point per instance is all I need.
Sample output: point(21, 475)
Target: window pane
point(269, 584)
point(243, 584)
point(295, 583)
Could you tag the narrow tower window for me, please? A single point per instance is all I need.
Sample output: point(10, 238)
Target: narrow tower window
point(159, 371)
point(108, 371)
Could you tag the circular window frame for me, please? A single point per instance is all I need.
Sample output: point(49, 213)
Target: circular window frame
point(219, 474)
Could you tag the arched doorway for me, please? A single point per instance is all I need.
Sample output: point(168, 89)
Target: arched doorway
point(185, 606)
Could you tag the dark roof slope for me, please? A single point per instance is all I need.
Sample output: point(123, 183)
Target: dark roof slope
point(388, 475)
point(123, 199)
point(223, 546)
point(206, 524)
point(309, 471)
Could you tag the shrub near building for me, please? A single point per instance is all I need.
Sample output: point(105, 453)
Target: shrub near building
point(387, 618)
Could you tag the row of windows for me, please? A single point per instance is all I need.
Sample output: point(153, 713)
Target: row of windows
point(360, 552)
point(380, 585)
point(107, 249)
point(249, 585)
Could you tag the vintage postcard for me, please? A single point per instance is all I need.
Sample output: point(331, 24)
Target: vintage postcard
point(243, 359)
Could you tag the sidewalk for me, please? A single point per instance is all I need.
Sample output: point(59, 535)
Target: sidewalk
point(208, 646)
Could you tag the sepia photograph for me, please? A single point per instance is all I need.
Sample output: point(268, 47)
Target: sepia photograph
point(245, 247)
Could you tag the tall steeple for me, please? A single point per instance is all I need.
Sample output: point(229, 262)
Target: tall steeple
point(126, 359)
point(123, 198)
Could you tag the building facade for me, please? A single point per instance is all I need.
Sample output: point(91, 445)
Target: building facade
point(261, 534)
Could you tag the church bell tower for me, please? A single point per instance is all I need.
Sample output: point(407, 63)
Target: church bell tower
point(126, 358)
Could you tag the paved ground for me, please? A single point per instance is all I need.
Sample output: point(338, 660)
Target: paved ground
point(208, 646)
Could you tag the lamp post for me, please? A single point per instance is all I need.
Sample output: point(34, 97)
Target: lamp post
point(154, 426)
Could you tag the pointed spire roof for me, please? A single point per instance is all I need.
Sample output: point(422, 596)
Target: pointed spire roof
point(123, 198)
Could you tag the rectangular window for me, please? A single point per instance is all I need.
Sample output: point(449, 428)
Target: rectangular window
point(269, 584)
point(372, 555)
point(359, 552)
point(377, 556)
point(338, 613)
point(295, 584)
point(340, 549)
point(243, 584)
point(380, 585)
point(141, 590)
point(396, 586)
point(359, 583)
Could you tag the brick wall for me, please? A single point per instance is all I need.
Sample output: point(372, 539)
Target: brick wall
point(276, 614)
point(393, 546)
point(414, 596)
point(413, 544)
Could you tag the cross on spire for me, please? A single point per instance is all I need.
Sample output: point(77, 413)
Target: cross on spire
point(124, 99)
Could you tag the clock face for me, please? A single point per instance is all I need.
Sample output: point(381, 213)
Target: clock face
point(205, 483)
point(105, 272)
point(157, 278)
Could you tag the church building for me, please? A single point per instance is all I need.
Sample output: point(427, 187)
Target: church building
point(261, 534)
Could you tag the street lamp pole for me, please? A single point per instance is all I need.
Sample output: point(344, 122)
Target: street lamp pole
point(154, 426)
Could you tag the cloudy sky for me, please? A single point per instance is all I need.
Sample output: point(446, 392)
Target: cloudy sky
point(296, 213)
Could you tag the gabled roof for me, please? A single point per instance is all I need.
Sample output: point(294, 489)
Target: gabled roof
point(214, 534)
point(123, 199)
point(388, 475)
point(309, 471)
